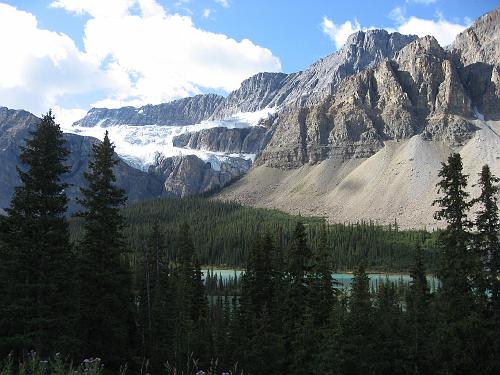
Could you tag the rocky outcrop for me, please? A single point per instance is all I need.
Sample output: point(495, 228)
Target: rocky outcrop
point(480, 43)
point(476, 53)
point(420, 91)
point(189, 175)
point(363, 49)
point(15, 127)
point(179, 112)
point(220, 139)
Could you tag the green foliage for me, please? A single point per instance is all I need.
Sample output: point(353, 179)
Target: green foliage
point(225, 233)
point(106, 311)
point(37, 305)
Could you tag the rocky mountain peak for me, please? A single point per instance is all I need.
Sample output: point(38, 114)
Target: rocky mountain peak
point(480, 42)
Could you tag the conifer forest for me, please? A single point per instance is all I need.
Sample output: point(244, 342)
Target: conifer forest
point(134, 289)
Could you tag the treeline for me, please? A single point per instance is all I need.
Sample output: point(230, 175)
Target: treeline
point(150, 311)
point(224, 233)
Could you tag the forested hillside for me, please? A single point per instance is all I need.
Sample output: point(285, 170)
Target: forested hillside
point(224, 232)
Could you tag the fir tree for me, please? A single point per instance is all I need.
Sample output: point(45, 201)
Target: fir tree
point(487, 243)
point(36, 287)
point(418, 313)
point(459, 328)
point(323, 291)
point(106, 320)
point(487, 247)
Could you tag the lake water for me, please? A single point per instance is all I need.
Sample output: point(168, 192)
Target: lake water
point(344, 279)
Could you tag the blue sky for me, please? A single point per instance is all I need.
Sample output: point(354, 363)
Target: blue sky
point(150, 51)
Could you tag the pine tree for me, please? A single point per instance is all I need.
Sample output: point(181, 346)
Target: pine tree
point(106, 309)
point(418, 313)
point(456, 261)
point(487, 243)
point(37, 306)
point(323, 291)
point(487, 247)
point(355, 351)
point(296, 298)
point(459, 340)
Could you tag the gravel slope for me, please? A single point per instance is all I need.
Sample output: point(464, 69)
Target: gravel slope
point(397, 183)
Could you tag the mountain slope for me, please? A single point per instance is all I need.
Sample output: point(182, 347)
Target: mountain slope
point(372, 150)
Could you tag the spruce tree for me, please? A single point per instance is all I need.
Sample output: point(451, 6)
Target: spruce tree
point(355, 351)
point(296, 299)
point(418, 313)
point(459, 341)
point(323, 291)
point(487, 247)
point(37, 307)
point(106, 309)
point(456, 260)
point(487, 243)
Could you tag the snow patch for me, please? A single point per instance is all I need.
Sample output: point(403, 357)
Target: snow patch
point(140, 145)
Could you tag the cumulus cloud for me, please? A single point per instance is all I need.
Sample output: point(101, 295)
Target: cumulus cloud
point(207, 12)
point(443, 30)
point(339, 33)
point(39, 66)
point(223, 3)
point(135, 53)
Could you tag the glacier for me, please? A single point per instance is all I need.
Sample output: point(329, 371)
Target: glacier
point(139, 146)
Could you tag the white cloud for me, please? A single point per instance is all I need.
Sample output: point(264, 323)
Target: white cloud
point(443, 30)
point(339, 33)
point(40, 66)
point(223, 3)
point(65, 117)
point(207, 12)
point(134, 53)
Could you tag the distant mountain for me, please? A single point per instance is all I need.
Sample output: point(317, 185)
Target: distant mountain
point(372, 149)
point(359, 135)
point(14, 129)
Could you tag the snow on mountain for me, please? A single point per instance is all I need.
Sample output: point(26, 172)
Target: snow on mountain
point(140, 146)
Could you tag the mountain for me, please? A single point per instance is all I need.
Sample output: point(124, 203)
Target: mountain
point(372, 150)
point(358, 135)
point(15, 126)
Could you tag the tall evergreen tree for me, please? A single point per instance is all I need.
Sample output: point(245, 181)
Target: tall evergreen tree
point(106, 309)
point(37, 307)
point(487, 242)
point(459, 329)
point(323, 291)
point(418, 313)
point(487, 246)
point(456, 261)
point(296, 297)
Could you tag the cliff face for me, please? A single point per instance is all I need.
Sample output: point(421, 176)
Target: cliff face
point(377, 91)
point(220, 139)
point(363, 49)
point(418, 92)
point(179, 112)
point(189, 175)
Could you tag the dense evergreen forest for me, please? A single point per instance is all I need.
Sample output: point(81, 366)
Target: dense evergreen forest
point(124, 292)
point(223, 233)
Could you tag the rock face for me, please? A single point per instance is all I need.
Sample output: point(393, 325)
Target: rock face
point(179, 112)
point(418, 92)
point(15, 127)
point(219, 139)
point(189, 175)
point(363, 49)
point(476, 53)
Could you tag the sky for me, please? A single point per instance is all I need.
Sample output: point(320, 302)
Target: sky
point(72, 55)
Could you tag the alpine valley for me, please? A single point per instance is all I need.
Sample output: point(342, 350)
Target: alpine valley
point(359, 135)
